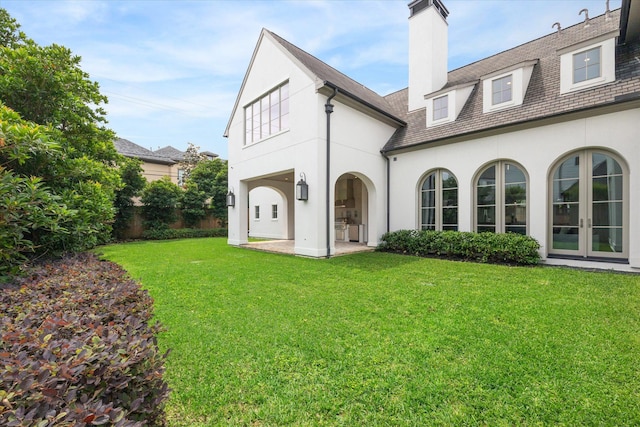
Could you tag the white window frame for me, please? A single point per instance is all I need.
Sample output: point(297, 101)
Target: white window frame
point(260, 118)
point(582, 66)
point(499, 202)
point(274, 212)
point(438, 199)
point(520, 77)
point(505, 88)
point(180, 179)
point(456, 97)
point(256, 213)
point(607, 45)
point(440, 109)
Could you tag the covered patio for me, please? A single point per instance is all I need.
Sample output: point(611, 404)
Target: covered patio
point(286, 247)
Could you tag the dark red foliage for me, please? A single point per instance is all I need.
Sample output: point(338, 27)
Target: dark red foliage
point(77, 348)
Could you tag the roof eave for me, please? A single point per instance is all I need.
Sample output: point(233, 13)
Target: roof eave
point(631, 98)
point(365, 103)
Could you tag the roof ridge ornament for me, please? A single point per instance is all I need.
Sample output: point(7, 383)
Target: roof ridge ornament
point(586, 16)
point(557, 24)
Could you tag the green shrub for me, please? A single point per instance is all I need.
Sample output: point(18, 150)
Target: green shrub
point(77, 348)
point(28, 208)
point(193, 202)
point(183, 233)
point(160, 200)
point(503, 248)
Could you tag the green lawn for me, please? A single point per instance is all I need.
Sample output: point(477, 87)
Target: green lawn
point(370, 339)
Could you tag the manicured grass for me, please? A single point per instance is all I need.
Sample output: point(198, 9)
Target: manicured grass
point(381, 339)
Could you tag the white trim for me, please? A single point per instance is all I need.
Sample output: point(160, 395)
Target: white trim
point(519, 84)
point(456, 99)
point(607, 66)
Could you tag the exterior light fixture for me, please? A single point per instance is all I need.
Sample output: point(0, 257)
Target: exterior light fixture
point(302, 188)
point(231, 199)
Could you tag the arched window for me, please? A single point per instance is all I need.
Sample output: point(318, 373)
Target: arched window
point(588, 215)
point(501, 199)
point(439, 201)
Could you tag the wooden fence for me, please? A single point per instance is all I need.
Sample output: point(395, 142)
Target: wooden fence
point(136, 224)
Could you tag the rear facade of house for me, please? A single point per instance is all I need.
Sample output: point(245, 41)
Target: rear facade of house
point(541, 139)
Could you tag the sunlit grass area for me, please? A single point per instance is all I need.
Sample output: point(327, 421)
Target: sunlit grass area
point(381, 339)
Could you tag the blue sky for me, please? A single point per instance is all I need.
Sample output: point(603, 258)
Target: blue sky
point(171, 69)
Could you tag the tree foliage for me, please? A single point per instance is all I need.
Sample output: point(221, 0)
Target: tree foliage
point(160, 200)
point(192, 157)
point(53, 140)
point(192, 203)
point(211, 177)
point(132, 185)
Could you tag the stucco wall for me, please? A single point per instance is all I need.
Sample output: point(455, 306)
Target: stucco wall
point(537, 150)
point(266, 226)
point(356, 142)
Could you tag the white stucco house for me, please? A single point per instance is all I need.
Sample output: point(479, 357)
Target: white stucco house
point(542, 139)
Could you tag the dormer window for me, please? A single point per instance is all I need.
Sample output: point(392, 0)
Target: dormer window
point(586, 65)
point(506, 88)
point(502, 90)
point(444, 105)
point(441, 108)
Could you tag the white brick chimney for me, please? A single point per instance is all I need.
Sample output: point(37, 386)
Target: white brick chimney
point(428, 38)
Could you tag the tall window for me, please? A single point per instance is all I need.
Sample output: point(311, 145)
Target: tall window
point(441, 108)
point(501, 90)
point(501, 199)
point(439, 201)
point(274, 211)
point(180, 177)
point(589, 214)
point(256, 211)
point(586, 65)
point(267, 115)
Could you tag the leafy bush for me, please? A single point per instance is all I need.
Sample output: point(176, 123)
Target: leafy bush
point(183, 233)
point(193, 204)
point(212, 177)
point(160, 200)
point(77, 349)
point(28, 207)
point(504, 248)
point(53, 143)
point(132, 184)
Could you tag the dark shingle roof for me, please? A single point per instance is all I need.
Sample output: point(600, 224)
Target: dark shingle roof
point(129, 149)
point(542, 99)
point(335, 78)
point(170, 152)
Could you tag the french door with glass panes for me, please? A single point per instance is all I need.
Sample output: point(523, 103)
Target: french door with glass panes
point(589, 208)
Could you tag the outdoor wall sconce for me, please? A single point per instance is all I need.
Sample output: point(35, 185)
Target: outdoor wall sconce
point(231, 199)
point(302, 189)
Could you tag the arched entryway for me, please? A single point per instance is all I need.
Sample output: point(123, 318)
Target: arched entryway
point(351, 209)
point(270, 207)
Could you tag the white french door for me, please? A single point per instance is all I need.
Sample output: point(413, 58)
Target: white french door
point(589, 212)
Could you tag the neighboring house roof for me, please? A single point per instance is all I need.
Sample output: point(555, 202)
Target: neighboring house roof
point(209, 154)
point(542, 99)
point(129, 149)
point(171, 153)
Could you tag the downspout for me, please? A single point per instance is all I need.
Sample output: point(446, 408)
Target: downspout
point(388, 189)
point(328, 109)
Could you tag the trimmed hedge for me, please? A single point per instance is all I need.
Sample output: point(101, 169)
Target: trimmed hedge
point(500, 248)
point(77, 348)
point(183, 233)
